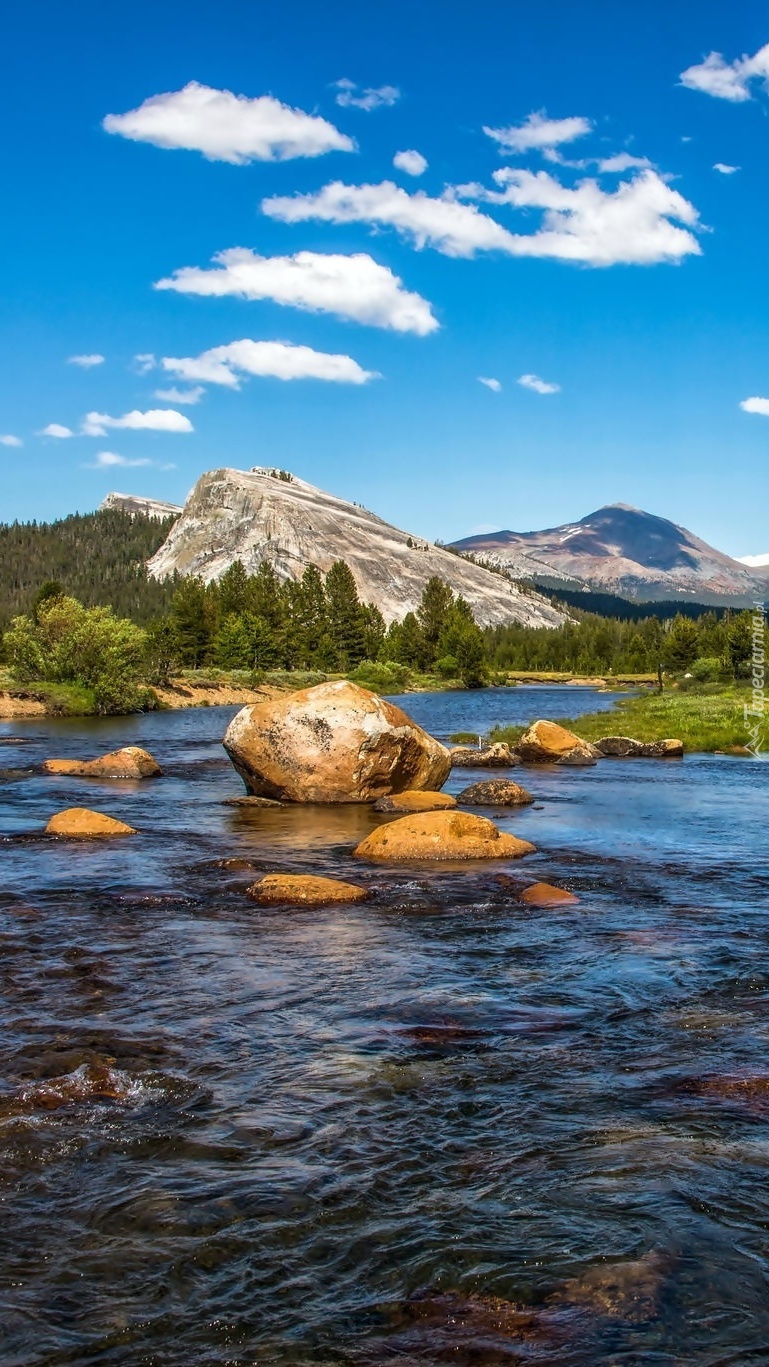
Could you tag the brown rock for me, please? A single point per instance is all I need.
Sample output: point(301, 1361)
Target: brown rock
point(629, 1291)
point(333, 743)
point(619, 746)
point(81, 823)
point(545, 895)
point(416, 802)
point(578, 758)
point(497, 756)
point(252, 802)
point(663, 749)
point(130, 762)
point(495, 792)
point(304, 890)
point(441, 835)
point(548, 743)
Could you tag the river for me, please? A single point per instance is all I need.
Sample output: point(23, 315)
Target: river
point(435, 1128)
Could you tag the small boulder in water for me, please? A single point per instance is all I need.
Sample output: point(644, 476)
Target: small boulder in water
point(497, 756)
point(83, 824)
point(546, 895)
point(252, 802)
point(624, 747)
point(129, 762)
point(305, 890)
point(663, 749)
point(441, 835)
point(415, 802)
point(548, 743)
point(495, 792)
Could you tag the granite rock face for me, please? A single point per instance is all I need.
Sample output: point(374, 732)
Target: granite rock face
point(253, 516)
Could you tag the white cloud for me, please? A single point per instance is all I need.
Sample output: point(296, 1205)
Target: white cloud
point(725, 168)
point(145, 362)
point(538, 132)
point(756, 405)
point(728, 80)
point(413, 163)
point(353, 287)
point(754, 561)
point(155, 420)
point(109, 458)
point(636, 224)
point(539, 386)
point(86, 362)
point(227, 127)
point(452, 228)
point(280, 360)
point(55, 429)
point(490, 383)
point(10, 440)
point(623, 161)
point(175, 395)
point(350, 95)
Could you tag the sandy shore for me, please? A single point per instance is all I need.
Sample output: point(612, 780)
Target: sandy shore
point(180, 693)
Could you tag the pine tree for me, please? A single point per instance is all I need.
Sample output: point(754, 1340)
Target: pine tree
point(310, 616)
point(233, 589)
point(345, 626)
point(432, 614)
point(190, 620)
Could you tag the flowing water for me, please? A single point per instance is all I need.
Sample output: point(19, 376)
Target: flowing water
point(435, 1128)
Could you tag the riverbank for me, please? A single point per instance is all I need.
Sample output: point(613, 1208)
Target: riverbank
point(707, 719)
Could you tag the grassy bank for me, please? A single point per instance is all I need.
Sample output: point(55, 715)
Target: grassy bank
point(706, 718)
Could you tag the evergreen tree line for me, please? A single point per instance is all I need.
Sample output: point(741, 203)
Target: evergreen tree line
point(713, 645)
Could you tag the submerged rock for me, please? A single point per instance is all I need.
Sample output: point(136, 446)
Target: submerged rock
point(441, 835)
point(546, 895)
point(305, 890)
point(81, 823)
point(415, 802)
point(629, 1291)
point(495, 792)
point(333, 743)
point(548, 743)
point(497, 756)
point(129, 762)
point(252, 802)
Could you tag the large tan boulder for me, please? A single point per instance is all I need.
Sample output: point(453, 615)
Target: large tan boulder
point(129, 762)
point(548, 743)
point(404, 803)
point(333, 743)
point(441, 835)
point(304, 889)
point(83, 824)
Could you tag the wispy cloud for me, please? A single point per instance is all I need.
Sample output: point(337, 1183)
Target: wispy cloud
point(55, 429)
point(638, 223)
point(226, 365)
point(9, 440)
point(728, 80)
point(354, 287)
point(756, 405)
point(154, 420)
point(351, 96)
point(227, 127)
point(490, 383)
point(145, 362)
point(108, 460)
point(182, 396)
point(538, 132)
point(86, 362)
point(413, 163)
point(538, 385)
point(725, 168)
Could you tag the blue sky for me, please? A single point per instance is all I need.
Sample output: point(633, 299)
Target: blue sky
point(402, 298)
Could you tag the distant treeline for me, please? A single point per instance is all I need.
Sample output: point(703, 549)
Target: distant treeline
point(98, 558)
point(609, 605)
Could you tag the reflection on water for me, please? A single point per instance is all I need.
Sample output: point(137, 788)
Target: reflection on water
point(435, 1128)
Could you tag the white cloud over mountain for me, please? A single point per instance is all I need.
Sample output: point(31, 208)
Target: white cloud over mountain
point(86, 362)
point(226, 365)
point(728, 80)
point(410, 161)
point(539, 386)
point(354, 287)
point(538, 133)
point(350, 96)
point(154, 420)
point(637, 223)
point(227, 127)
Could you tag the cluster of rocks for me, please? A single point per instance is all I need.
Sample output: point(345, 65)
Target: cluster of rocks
point(338, 743)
